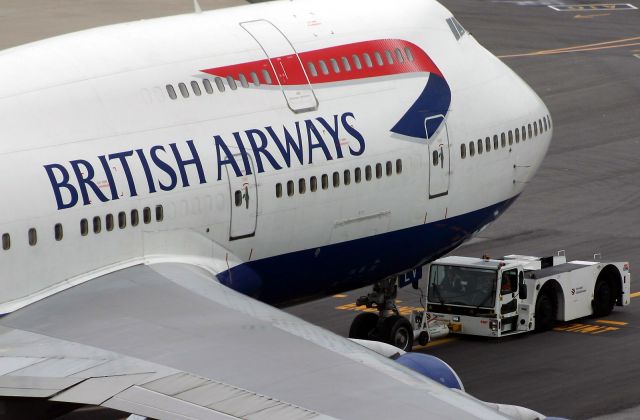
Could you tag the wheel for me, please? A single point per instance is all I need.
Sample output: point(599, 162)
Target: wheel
point(363, 325)
point(397, 331)
point(603, 299)
point(544, 312)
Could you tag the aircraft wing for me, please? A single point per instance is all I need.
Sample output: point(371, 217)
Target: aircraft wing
point(167, 341)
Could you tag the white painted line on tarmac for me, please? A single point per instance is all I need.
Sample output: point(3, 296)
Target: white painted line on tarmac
point(592, 7)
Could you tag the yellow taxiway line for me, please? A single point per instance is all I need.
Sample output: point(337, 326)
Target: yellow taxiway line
point(618, 43)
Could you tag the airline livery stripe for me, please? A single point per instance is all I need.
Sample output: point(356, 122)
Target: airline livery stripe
point(421, 63)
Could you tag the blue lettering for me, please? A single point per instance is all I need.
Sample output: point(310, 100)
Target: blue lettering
point(195, 160)
point(311, 129)
point(164, 166)
point(229, 160)
point(290, 144)
point(85, 181)
point(147, 170)
point(261, 150)
point(354, 133)
point(333, 130)
point(243, 153)
point(107, 171)
point(122, 157)
point(58, 184)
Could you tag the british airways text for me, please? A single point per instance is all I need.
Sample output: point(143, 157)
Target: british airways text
point(166, 167)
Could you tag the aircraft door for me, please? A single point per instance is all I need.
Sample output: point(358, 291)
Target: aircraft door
point(439, 167)
point(244, 201)
point(285, 63)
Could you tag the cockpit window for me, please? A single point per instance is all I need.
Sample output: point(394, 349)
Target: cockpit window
point(455, 27)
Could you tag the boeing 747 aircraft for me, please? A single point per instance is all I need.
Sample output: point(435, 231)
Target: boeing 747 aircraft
point(166, 181)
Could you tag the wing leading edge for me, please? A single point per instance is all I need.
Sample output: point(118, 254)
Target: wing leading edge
point(168, 341)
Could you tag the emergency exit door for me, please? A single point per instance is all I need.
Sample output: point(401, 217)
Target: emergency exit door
point(285, 63)
point(439, 166)
point(244, 200)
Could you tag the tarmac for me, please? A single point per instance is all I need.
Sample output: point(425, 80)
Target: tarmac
point(585, 64)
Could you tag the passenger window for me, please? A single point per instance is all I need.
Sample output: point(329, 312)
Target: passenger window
point(509, 283)
point(84, 227)
point(323, 67)
point(336, 179)
point(389, 168)
point(325, 181)
point(33, 237)
point(313, 182)
point(207, 86)
point(243, 81)
point(183, 90)
point(135, 218)
point(266, 76)
point(334, 65)
point(172, 92)
point(290, 190)
point(409, 54)
point(356, 61)
point(232, 83)
point(530, 131)
point(196, 88)
point(378, 58)
point(237, 198)
point(367, 172)
point(472, 149)
point(159, 213)
point(399, 56)
point(219, 84)
point(146, 215)
point(254, 78)
point(57, 231)
point(389, 56)
point(312, 69)
point(97, 224)
point(517, 135)
point(347, 177)
point(398, 166)
point(436, 158)
point(302, 185)
point(278, 190)
point(479, 147)
point(503, 140)
point(495, 142)
point(122, 220)
point(367, 60)
point(6, 241)
point(345, 64)
point(463, 150)
point(487, 144)
point(109, 220)
point(358, 175)
point(378, 170)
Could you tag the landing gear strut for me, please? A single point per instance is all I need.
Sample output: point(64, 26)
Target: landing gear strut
point(387, 325)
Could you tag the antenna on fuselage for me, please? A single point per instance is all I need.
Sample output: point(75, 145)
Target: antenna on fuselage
point(196, 6)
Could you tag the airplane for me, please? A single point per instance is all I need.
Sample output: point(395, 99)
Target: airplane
point(168, 181)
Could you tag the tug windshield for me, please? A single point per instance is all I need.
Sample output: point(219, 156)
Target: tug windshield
point(451, 285)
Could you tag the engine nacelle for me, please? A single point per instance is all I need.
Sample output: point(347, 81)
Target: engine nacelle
point(431, 367)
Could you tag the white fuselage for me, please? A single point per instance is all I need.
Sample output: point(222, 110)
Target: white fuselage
point(87, 125)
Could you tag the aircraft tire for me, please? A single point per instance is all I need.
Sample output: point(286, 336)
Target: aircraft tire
point(363, 326)
point(544, 312)
point(397, 331)
point(603, 298)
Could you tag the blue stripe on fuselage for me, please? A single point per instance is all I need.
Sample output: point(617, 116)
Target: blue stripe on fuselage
point(317, 272)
